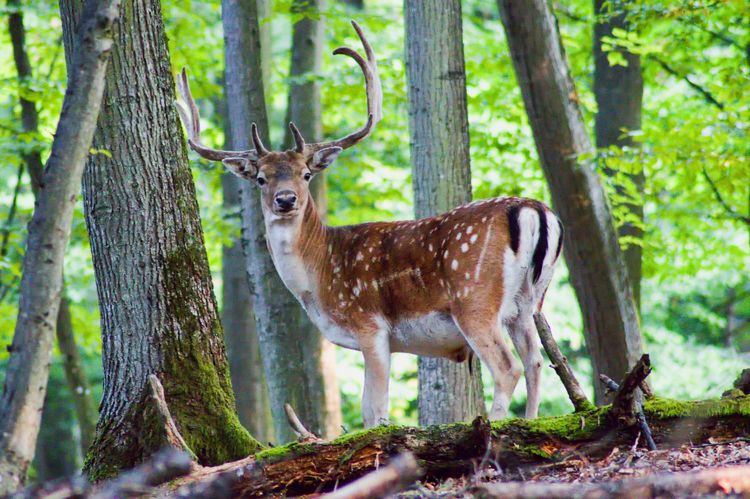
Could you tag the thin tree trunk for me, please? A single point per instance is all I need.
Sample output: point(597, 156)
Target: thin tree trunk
point(277, 313)
point(49, 232)
point(158, 311)
point(619, 94)
point(55, 457)
point(77, 381)
point(439, 131)
point(357, 4)
point(592, 251)
point(238, 317)
point(303, 108)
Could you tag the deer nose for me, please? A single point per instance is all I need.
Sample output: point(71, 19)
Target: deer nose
point(285, 200)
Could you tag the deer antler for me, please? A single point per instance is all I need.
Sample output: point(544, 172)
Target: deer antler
point(374, 92)
point(191, 120)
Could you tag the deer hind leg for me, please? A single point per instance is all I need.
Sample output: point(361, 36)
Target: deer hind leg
point(523, 334)
point(486, 340)
point(377, 356)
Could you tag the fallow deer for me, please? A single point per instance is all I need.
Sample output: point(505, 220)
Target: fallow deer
point(442, 286)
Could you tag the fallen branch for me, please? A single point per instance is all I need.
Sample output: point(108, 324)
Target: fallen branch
point(303, 433)
point(560, 364)
point(731, 480)
point(164, 466)
point(402, 472)
point(626, 409)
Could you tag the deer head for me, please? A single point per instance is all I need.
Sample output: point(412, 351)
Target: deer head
point(284, 177)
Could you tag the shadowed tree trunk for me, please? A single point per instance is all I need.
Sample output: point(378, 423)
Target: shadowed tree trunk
point(303, 108)
point(358, 4)
point(27, 372)
point(439, 130)
point(277, 313)
point(158, 311)
point(75, 375)
point(237, 315)
point(592, 251)
point(619, 94)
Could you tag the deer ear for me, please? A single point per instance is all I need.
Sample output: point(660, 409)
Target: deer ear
point(242, 167)
point(321, 159)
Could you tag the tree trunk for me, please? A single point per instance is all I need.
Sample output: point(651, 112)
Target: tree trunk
point(49, 232)
point(78, 383)
point(158, 311)
point(619, 94)
point(592, 251)
point(357, 4)
point(55, 455)
point(75, 375)
point(241, 336)
point(237, 316)
point(277, 313)
point(303, 109)
point(440, 159)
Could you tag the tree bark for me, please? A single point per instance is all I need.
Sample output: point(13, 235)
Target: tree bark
point(158, 311)
point(592, 251)
point(75, 375)
point(619, 94)
point(49, 232)
point(238, 317)
point(277, 313)
point(439, 132)
point(303, 109)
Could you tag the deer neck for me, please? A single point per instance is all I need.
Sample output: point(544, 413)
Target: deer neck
point(298, 250)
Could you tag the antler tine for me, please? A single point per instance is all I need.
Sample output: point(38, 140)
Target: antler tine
point(299, 141)
point(191, 119)
point(259, 147)
point(373, 90)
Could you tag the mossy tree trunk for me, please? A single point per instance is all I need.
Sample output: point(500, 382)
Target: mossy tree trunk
point(439, 131)
point(158, 310)
point(303, 108)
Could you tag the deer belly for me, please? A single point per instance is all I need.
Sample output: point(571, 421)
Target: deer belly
point(329, 328)
point(432, 335)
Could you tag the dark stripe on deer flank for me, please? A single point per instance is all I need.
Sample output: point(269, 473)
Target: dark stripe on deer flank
point(537, 260)
point(514, 228)
point(559, 241)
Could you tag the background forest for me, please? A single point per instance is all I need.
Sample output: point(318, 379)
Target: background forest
point(693, 148)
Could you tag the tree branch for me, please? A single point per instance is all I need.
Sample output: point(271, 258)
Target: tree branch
point(717, 194)
point(686, 78)
point(560, 364)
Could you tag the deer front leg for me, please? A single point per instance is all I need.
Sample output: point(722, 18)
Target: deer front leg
point(377, 356)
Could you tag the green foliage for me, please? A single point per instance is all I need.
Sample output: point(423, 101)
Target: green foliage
point(694, 150)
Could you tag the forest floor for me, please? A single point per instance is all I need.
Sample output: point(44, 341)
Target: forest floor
point(618, 465)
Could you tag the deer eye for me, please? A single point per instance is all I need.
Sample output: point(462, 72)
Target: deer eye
point(308, 176)
point(260, 180)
